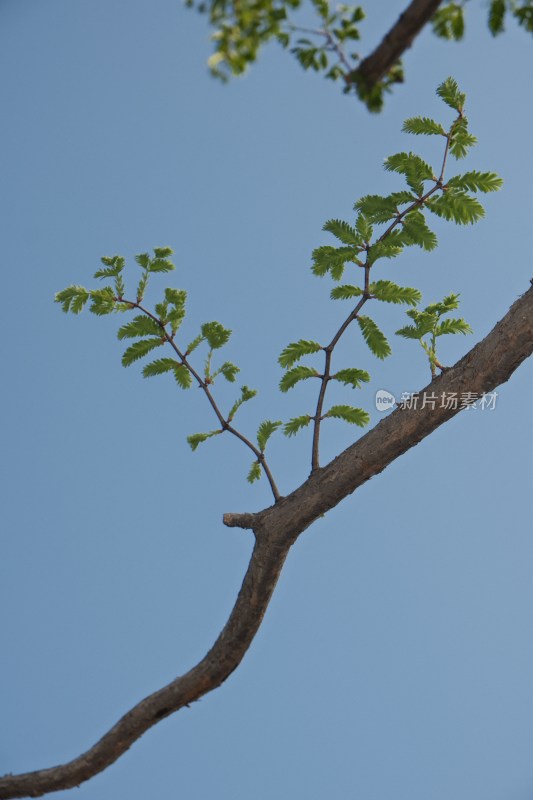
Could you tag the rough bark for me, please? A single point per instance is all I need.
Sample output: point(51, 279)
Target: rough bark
point(400, 37)
point(276, 528)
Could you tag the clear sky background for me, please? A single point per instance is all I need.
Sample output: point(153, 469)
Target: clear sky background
point(396, 659)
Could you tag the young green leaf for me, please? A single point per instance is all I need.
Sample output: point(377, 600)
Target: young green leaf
point(159, 367)
point(194, 344)
point(140, 325)
point(296, 374)
point(355, 416)
point(345, 292)
point(72, 299)
point(376, 208)
point(296, 350)
point(496, 16)
point(197, 438)
point(352, 377)
point(215, 333)
point(161, 265)
point(246, 394)
point(461, 140)
point(449, 92)
point(452, 326)
point(344, 232)
point(229, 371)
point(414, 168)
point(363, 227)
point(141, 288)
point(183, 376)
point(417, 232)
point(390, 247)
point(475, 181)
point(163, 252)
point(143, 260)
point(102, 301)
point(457, 207)
point(332, 259)
point(176, 296)
point(390, 292)
point(374, 338)
point(139, 350)
point(423, 125)
point(265, 431)
point(254, 473)
point(296, 424)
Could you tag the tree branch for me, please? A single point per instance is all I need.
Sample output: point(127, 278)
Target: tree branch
point(400, 37)
point(486, 366)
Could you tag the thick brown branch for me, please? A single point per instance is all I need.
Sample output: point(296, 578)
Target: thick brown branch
point(400, 37)
point(489, 364)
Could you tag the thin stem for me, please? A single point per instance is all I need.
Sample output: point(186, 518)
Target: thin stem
point(224, 423)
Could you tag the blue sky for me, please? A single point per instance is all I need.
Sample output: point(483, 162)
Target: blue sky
point(396, 657)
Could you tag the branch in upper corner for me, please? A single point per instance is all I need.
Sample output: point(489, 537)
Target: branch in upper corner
point(380, 69)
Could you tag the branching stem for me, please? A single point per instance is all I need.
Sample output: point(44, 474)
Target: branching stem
point(224, 423)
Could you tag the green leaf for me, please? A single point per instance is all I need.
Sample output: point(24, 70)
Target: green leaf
point(194, 344)
point(457, 207)
point(140, 325)
point(417, 232)
point(414, 168)
point(163, 252)
point(159, 367)
point(332, 259)
point(175, 318)
point(216, 334)
point(296, 350)
point(161, 265)
point(176, 296)
point(246, 394)
point(139, 349)
point(296, 424)
point(475, 181)
point(390, 292)
point(102, 301)
point(452, 326)
point(496, 16)
point(254, 473)
point(183, 376)
point(143, 260)
point(424, 126)
point(344, 232)
point(374, 338)
point(411, 332)
point(109, 272)
point(265, 431)
point(449, 92)
point(355, 416)
point(448, 22)
point(141, 288)
point(345, 292)
point(385, 248)
point(197, 438)
point(73, 298)
point(296, 374)
point(229, 371)
point(461, 140)
point(376, 208)
point(363, 227)
point(352, 377)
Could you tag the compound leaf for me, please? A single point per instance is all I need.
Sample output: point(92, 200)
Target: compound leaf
point(296, 350)
point(374, 338)
point(265, 431)
point(390, 292)
point(296, 424)
point(140, 325)
point(296, 374)
point(355, 416)
point(352, 377)
point(139, 349)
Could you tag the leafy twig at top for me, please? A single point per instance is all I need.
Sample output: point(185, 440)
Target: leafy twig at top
point(427, 323)
point(155, 329)
point(402, 214)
